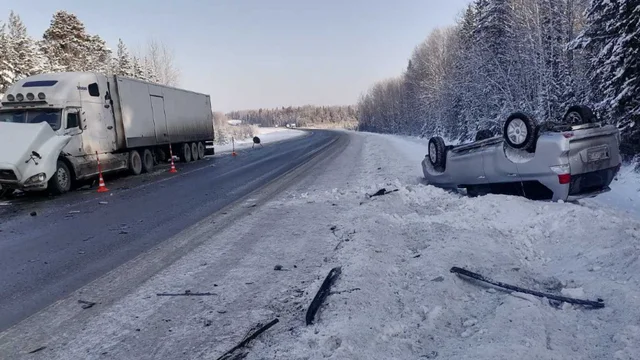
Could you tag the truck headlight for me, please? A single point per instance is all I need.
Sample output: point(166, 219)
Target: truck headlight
point(36, 179)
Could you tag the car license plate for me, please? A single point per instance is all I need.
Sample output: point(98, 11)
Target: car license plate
point(597, 154)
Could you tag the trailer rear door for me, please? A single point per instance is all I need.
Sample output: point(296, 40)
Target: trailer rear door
point(159, 119)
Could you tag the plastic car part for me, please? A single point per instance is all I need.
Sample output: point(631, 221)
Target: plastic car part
point(437, 153)
point(520, 131)
point(578, 115)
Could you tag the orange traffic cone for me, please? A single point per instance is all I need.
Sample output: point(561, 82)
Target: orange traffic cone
point(233, 147)
point(173, 166)
point(101, 186)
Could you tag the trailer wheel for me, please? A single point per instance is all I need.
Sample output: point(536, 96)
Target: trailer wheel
point(60, 182)
point(201, 150)
point(194, 152)
point(147, 161)
point(135, 163)
point(186, 153)
point(161, 156)
point(520, 131)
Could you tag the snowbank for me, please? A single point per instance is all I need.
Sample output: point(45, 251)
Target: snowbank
point(624, 194)
point(395, 298)
point(401, 246)
point(266, 135)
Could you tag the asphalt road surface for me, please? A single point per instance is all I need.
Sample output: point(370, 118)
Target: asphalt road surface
point(76, 238)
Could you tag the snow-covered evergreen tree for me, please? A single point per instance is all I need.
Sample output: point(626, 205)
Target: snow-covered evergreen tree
point(99, 57)
point(138, 69)
point(124, 66)
point(7, 75)
point(67, 45)
point(24, 54)
point(149, 70)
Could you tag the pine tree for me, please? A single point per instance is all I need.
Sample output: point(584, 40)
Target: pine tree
point(124, 66)
point(149, 70)
point(494, 43)
point(99, 57)
point(66, 43)
point(598, 39)
point(26, 59)
point(137, 69)
point(7, 75)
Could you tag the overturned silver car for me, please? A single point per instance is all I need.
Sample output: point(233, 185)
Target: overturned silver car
point(573, 159)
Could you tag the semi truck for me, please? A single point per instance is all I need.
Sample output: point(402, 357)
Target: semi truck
point(55, 127)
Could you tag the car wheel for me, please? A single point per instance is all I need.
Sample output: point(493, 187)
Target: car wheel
point(60, 182)
point(437, 153)
point(578, 115)
point(520, 131)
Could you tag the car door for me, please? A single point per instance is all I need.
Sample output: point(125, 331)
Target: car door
point(466, 165)
point(71, 126)
point(497, 166)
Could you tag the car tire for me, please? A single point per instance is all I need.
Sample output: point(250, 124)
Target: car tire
point(135, 163)
point(437, 153)
point(579, 115)
point(61, 180)
point(147, 161)
point(520, 131)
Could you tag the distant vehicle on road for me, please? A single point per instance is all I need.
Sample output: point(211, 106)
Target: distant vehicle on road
point(576, 158)
point(52, 126)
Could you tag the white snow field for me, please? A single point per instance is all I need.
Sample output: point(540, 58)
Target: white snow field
point(266, 135)
point(395, 298)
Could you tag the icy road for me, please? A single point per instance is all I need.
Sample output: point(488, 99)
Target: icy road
point(395, 298)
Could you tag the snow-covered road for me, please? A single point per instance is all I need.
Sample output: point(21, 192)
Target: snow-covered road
point(395, 298)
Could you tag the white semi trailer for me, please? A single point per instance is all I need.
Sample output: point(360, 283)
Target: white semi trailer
point(54, 126)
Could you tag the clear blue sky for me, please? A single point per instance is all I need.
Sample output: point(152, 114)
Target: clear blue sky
point(264, 53)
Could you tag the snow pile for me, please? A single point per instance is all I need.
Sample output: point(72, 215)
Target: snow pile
point(266, 135)
point(397, 250)
point(624, 194)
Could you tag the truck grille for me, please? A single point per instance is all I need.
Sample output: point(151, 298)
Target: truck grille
point(8, 175)
point(592, 181)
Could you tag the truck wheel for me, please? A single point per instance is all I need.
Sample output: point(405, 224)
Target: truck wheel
point(186, 153)
point(520, 131)
point(201, 150)
point(194, 152)
point(437, 153)
point(60, 182)
point(135, 163)
point(578, 115)
point(147, 161)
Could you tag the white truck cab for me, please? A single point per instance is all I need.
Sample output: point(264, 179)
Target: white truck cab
point(53, 127)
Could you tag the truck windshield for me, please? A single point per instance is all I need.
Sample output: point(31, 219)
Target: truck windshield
point(33, 116)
